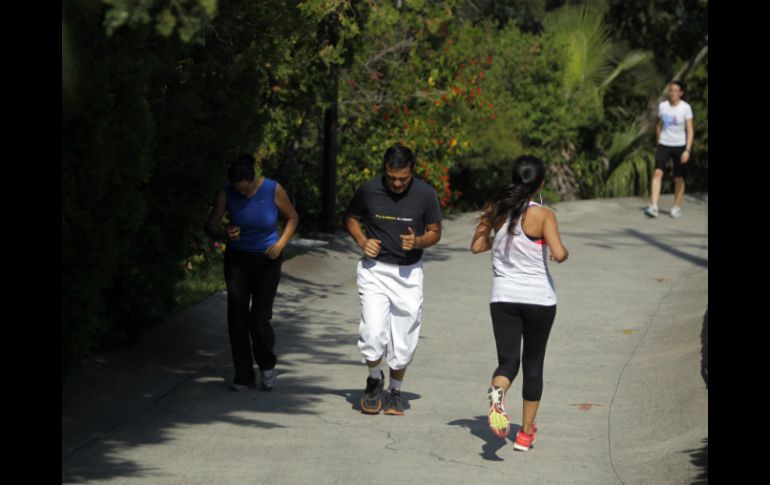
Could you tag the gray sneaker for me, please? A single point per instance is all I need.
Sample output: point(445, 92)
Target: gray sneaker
point(269, 379)
point(235, 387)
point(651, 211)
point(394, 403)
point(676, 212)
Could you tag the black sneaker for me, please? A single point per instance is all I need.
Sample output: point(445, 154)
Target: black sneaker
point(394, 403)
point(371, 403)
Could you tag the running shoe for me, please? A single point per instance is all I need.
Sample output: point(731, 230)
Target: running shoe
point(651, 211)
point(269, 379)
point(235, 387)
point(394, 403)
point(524, 441)
point(676, 213)
point(499, 421)
point(371, 401)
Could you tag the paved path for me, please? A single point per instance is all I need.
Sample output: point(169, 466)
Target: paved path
point(624, 398)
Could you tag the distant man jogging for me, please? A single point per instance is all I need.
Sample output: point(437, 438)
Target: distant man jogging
point(402, 217)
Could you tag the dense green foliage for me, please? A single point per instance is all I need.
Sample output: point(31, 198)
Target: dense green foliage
point(157, 98)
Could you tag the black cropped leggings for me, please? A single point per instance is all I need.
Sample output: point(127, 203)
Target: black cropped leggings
point(511, 322)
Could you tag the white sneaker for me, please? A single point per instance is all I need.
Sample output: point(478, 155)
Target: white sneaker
point(269, 379)
point(651, 211)
point(676, 212)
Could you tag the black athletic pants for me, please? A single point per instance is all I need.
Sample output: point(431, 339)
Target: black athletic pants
point(252, 281)
point(511, 322)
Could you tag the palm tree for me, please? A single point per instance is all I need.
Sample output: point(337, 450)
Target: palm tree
point(589, 69)
point(588, 73)
point(627, 164)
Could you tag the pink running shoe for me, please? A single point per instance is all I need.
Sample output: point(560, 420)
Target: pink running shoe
point(524, 441)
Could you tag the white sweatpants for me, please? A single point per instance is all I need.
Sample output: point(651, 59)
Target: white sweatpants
point(391, 309)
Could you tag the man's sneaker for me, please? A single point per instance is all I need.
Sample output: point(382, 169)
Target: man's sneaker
point(394, 403)
point(269, 379)
point(651, 211)
point(371, 402)
point(498, 419)
point(524, 441)
point(676, 212)
point(235, 387)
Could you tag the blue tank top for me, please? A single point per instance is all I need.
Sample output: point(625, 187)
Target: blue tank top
point(257, 217)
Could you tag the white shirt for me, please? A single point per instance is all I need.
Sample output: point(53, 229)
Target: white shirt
point(674, 119)
point(520, 269)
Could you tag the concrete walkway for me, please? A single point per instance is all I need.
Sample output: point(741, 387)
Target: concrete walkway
point(625, 398)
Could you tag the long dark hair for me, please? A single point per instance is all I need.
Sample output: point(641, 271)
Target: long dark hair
point(527, 173)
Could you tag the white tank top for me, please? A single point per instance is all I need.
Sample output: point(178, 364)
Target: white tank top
point(520, 269)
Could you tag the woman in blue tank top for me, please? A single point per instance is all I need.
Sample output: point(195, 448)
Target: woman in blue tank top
point(253, 260)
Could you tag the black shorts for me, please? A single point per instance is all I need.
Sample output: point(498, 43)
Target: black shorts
point(663, 154)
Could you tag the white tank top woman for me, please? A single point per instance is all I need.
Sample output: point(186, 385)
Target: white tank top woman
point(520, 269)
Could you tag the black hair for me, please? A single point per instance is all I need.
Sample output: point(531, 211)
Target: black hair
point(398, 156)
point(678, 83)
point(242, 170)
point(527, 173)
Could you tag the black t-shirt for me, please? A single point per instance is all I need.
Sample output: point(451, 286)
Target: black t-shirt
point(387, 216)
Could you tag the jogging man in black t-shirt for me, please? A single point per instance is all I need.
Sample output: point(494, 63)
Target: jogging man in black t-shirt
point(402, 217)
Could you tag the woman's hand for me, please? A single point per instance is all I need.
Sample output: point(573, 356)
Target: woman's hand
point(233, 233)
point(274, 251)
